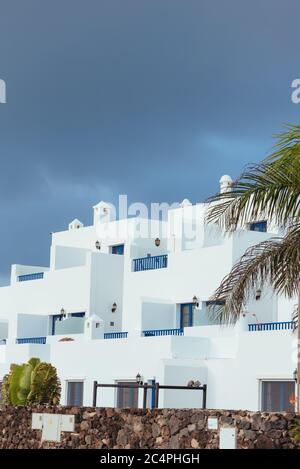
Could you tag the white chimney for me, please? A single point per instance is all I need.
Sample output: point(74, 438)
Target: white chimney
point(75, 224)
point(225, 184)
point(93, 327)
point(102, 213)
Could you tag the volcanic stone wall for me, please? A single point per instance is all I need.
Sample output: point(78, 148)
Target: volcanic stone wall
point(136, 428)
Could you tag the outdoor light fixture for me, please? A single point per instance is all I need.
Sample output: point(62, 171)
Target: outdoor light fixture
point(195, 301)
point(98, 245)
point(114, 308)
point(258, 294)
point(295, 375)
point(63, 313)
point(138, 379)
point(157, 242)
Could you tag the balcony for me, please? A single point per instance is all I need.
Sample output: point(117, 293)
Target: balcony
point(161, 332)
point(36, 276)
point(115, 335)
point(272, 326)
point(150, 263)
point(31, 340)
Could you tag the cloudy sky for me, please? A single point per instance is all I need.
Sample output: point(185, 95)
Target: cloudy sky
point(151, 98)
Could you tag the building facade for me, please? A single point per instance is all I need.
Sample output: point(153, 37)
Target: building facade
point(129, 297)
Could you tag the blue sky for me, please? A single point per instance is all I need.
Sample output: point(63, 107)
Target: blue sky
point(151, 98)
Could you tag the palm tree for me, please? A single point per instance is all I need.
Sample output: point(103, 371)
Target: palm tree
point(269, 190)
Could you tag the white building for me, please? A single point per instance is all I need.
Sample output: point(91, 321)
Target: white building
point(129, 297)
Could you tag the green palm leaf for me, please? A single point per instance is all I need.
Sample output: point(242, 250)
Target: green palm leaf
point(275, 262)
point(270, 190)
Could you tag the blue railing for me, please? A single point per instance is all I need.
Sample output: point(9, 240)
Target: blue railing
point(24, 278)
point(115, 335)
point(150, 263)
point(272, 326)
point(31, 340)
point(159, 332)
point(2, 341)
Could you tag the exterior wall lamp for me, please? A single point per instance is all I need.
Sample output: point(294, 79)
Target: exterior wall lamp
point(114, 307)
point(157, 242)
point(258, 294)
point(63, 313)
point(295, 375)
point(98, 245)
point(195, 302)
point(138, 379)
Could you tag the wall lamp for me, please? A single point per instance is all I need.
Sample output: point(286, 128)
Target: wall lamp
point(114, 307)
point(295, 375)
point(138, 379)
point(195, 301)
point(98, 245)
point(157, 242)
point(258, 294)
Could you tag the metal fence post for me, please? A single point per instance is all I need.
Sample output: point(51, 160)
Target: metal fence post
point(95, 393)
point(156, 395)
point(145, 386)
point(204, 396)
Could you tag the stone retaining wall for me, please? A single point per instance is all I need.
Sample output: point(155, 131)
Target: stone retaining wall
point(137, 428)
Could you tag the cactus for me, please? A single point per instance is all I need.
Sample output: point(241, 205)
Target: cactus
point(295, 432)
point(31, 383)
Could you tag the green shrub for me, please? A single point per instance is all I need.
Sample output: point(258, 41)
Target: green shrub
point(31, 383)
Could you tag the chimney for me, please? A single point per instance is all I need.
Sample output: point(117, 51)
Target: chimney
point(225, 184)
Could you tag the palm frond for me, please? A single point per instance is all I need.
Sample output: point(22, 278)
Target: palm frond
point(275, 262)
point(270, 189)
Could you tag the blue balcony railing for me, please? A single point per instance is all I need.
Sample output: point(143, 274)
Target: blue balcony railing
point(272, 326)
point(160, 332)
point(2, 341)
point(36, 276)
point(115, 335)
point(150, 263)
point(31, 340)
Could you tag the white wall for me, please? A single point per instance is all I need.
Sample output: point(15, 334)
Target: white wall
point(63, 257)
point(106, 288)
point(32, 325)
point(157, 315)
point(3, 329)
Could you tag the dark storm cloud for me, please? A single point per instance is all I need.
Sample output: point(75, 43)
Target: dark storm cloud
point(152, 98)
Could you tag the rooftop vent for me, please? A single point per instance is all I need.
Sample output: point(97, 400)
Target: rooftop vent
point(75, 224)
point(225, 184)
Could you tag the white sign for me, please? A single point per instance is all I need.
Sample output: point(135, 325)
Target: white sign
point(212, 423)
point(227, 438)
point(52, 425)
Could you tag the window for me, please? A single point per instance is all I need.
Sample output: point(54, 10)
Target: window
point(127, 397)
point(278, 396)
point(214, 303)
point(111, 323)
point(78, 315)
point(186, 315)
point(55, 318)
point(118, 249)
point(258, 226)
point(75, 393)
